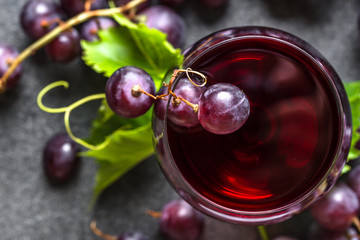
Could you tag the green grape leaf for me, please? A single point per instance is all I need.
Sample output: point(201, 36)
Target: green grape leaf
point(353, 92)
point(108, 122)
point(123, 143)
point(132, 44)
point(121, 151)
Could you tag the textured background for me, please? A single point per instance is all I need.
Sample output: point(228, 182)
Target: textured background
point(31, 208)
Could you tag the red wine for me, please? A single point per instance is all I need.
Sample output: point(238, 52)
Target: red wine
point(286, 146)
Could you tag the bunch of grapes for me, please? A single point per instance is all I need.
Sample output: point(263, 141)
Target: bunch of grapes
point(221, 108)
point(39, 17)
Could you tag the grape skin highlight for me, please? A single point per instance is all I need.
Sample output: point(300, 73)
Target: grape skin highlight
point(223, 108)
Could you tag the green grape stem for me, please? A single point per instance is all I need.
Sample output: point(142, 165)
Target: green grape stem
point(262, 232)
point(68, 109)
point(78, 19)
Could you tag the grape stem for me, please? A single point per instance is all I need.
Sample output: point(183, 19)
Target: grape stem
point(80, 18)
point(154, 214)
point(100, 233)
point(356, 222)
point(137, 88)
point(262, 232)
point(68, 109)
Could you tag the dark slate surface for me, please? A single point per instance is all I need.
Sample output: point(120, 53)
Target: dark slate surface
point(31, 208)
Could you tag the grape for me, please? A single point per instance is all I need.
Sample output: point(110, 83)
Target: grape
point(35, 14)
point(65, 47)
point(223, 108)
point(7, 54)
point(119, 92)
point(337, 209)
point(133, 236)
point(319, 233)
point(353, 180)
point(160, 104)
point(172, 2)
point(214, 3)
point(89, 30)
point(61, 158)
point(167, 21)
point(180, 221)
point(180, 113)
point(74, 7)
point(139, 7)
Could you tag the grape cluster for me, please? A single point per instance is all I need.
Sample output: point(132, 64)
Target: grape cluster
point(221, 108)
point(39, 17)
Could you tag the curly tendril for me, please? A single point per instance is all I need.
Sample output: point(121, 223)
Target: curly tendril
point(67, 110)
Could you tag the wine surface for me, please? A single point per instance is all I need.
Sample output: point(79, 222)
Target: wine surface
point(286, 146)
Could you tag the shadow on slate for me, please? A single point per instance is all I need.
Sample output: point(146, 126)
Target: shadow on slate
point(308, 11)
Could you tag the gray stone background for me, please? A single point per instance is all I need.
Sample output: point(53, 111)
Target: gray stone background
point(31, 208)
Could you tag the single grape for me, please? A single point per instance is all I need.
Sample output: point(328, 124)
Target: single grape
point(337, 209)
point(140, 7)
point(65, 47)
point(353, 180)
point(160, 104)
point(133, 235)
point(7, 55)
point(38, 17)
point(74, 7)
point(89, 30)
point(172, 3)
point(178, 111)
point(168, 21)
point(120, 94)
point(60, 159)
point(180, 221)
point(223, 108)
point(214, 3)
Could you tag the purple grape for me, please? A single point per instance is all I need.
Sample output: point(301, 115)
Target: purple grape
point(60, 159)
point(168, 21)
point(353, 180)
point(318, 233)
point(38, 17)
point(140, 7)
point(120, 95)
point(179, 112)
point(172, 3)
point(133, 236)
point(180, 221)
point(89, 30)
point(8, 54)
point(160, 104)
point(74, 7)
point(337, 209)
point(214, 3)
point(65, 47)
point(223, 108)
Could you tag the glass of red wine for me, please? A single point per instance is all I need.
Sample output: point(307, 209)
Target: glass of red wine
point(293, 145)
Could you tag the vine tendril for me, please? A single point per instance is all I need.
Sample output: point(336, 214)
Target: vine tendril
point(68, 109)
